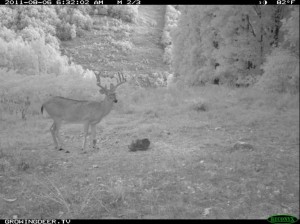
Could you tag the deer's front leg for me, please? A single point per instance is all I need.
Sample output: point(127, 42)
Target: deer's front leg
point(85, 130)
point(53, 133)
point(93, 129)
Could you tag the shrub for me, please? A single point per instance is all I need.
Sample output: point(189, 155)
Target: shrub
point(153, 79)
point(127, 13)
point(65, 31)
point(30, 33)
point(7, 16)
point(171, 17)
point(102, 9)
point(7, 34)
point(31, 58)
point(167, 57)
point(281, 72)
point(18, 55)
point(125, 46)
point(73, 20)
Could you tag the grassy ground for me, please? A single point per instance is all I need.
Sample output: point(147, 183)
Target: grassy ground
point(196, 166)
point(193, 168)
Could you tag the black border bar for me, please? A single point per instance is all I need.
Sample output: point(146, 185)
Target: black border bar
point(149, 2)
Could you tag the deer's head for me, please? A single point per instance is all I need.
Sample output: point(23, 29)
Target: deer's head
point(110, 93)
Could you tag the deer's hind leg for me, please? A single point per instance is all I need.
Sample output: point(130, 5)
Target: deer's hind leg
point(86, 131)
point(55, 135)
point(93, 129)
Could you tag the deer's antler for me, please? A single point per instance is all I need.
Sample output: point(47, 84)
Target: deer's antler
point(97, 74)
point(121, 80)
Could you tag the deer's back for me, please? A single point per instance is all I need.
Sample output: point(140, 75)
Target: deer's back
point(73, 111)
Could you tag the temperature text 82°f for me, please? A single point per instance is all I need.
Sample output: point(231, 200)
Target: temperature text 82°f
point(285, 2)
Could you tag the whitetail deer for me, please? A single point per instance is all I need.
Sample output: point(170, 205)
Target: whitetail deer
point(88, 113)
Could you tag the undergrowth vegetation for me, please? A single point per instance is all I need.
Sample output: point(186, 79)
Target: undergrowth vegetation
point(30, 36)
point(171, 19)
point(230, 45)
point(170, 180)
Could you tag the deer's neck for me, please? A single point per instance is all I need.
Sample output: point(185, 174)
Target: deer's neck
point(107, 105)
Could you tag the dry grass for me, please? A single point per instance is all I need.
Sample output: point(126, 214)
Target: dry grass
point(192, 169)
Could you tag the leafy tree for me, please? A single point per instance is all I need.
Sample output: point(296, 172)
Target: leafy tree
point(290, 28)
point(281, 69)
point(7, 17)
point(225, 43)
point(281, 72)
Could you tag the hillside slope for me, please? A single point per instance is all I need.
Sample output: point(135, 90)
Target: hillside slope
point(114, 45)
